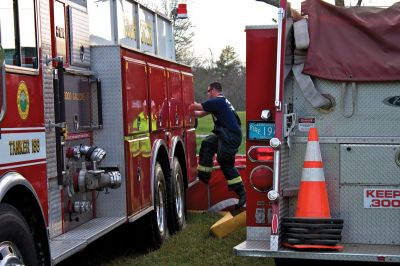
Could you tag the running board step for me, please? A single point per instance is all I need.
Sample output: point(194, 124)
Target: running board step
point(350, 252)
point(65, 245)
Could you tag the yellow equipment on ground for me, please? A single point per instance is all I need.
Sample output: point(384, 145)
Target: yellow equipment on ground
point(228, 224)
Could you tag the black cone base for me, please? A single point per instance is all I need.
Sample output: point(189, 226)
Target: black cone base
point(312, 231)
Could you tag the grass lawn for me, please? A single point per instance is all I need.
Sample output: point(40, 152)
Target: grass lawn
point(206, 124)
point(192, 246)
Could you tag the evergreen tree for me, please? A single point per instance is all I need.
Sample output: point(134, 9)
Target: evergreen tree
point(228, 62)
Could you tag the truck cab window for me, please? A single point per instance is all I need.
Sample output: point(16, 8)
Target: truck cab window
point(7, 27)
point(18, 32)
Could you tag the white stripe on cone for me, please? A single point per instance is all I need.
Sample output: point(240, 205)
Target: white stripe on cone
point(313, 174)
point(313, 152)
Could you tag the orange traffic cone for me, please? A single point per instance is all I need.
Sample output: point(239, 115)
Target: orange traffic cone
point(312, 227)
point(312, 201)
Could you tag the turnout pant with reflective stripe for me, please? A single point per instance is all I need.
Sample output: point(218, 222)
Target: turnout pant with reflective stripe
point(225, 144)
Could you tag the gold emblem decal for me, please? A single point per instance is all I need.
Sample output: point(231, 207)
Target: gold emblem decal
point(23, 100)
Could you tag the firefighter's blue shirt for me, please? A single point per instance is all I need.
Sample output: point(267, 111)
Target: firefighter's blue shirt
point(223, 113)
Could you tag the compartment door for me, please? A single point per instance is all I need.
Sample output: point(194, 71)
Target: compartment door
point(79, 37)
point(146, 178)
point(134, 175)
point(191, 159)
point(175, 99)
point(370, 193)
point(188, 98)
point(158, 97)
point(135, 95)
point(189, 123)
point(60, 30)
point(78, 103)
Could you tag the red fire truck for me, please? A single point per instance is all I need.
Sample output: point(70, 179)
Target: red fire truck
point(335, 69)
point(95, 129)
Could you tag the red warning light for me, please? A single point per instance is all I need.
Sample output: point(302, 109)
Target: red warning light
point(181, 11)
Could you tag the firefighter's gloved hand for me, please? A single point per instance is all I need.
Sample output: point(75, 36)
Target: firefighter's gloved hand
point(64, 132)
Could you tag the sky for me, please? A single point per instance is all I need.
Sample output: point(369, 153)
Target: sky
point(218, 23)
point(223, 22)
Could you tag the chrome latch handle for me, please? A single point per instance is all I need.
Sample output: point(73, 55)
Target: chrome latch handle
point(273, 194)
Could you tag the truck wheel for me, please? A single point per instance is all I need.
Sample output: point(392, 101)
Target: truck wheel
point(159, 216)
point(176, 198)
point(16, 243)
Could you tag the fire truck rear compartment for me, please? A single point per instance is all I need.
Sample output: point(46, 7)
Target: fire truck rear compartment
point(360, 154)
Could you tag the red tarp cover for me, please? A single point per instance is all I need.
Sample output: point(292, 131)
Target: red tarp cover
point(353, 44)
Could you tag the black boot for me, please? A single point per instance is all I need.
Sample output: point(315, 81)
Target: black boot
point(203, 179)
point(241, 192)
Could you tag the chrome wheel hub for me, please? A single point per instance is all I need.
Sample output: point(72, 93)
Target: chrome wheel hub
point(160, 209)
point(178, 197)
point(9, 254)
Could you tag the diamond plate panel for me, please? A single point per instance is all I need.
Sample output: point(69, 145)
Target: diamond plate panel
point(283, 183)
point(48, 94)
point(55, 212)
point(367, 225)
point(106, 62)
point(285, 177)
point(371, 116)
point(95, 103)
point(79, 35)
point(75, 240)
point(274, 243)
point(258, 233)
point(330, 159)
point(54, 199)
point(373, 164)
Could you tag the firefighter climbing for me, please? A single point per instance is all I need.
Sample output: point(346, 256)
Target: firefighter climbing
point(224, 141)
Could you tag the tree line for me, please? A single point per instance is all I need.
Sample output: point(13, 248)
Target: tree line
point(228, 70)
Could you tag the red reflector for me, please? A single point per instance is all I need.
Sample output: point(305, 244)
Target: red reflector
point(261, 178)
point(381, 258)
point(261, 154)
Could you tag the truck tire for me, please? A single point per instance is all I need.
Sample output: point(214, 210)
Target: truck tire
point(16, 242)
point(158, 218)
point(176, 198)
